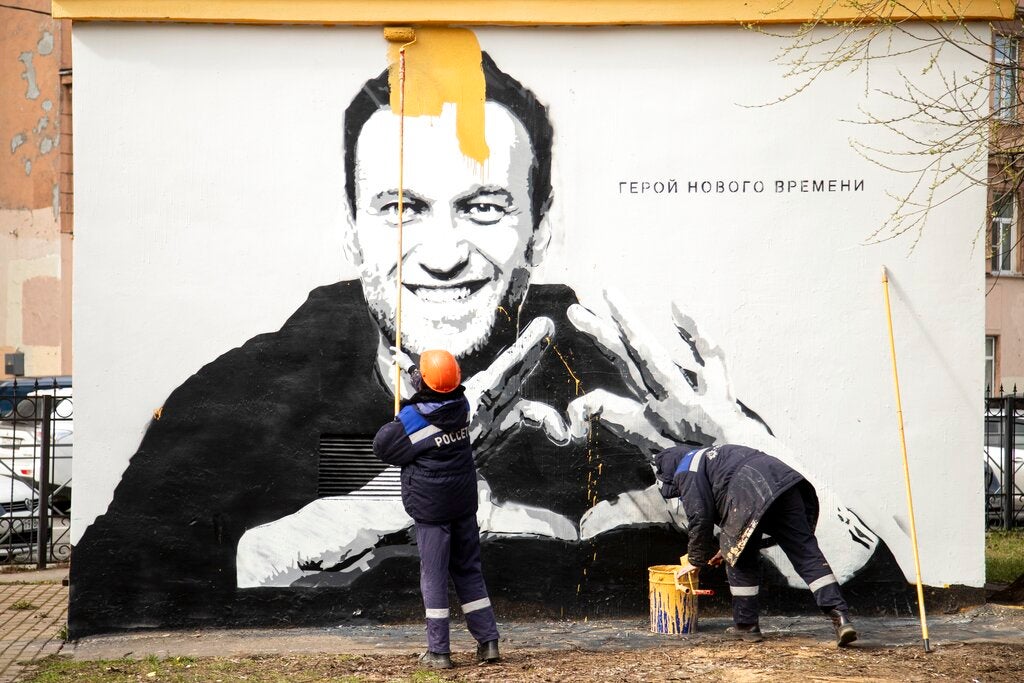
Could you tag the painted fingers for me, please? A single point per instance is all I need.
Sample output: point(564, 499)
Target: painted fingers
point(625, 417)
point(675, 399)
point(495, 393)
point(712, 375)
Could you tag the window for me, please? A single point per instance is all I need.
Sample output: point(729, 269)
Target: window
point(1002, 234)
point(1005, 86)
point(990, 365)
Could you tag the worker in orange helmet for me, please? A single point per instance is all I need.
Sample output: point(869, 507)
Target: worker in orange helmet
point(429, 439)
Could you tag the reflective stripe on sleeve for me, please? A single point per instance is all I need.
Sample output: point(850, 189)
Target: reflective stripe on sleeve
point(437, 613)
point(690, 461)
point(695, 463)
point(744, 591)
point(421, 434)
point(476, 605)
point(818, 584)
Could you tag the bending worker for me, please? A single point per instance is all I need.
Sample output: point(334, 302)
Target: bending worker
point(751, 495)
point(429, 440)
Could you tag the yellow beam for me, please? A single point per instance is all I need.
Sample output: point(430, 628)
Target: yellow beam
point(527, 12)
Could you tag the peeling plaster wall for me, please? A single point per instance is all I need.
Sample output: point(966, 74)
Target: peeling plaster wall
point(214, 231)
point(35, 290)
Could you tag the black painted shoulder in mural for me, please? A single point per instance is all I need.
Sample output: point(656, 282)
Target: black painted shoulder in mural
point(235, 446)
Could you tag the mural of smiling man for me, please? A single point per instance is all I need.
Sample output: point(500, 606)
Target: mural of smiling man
point(227, 514)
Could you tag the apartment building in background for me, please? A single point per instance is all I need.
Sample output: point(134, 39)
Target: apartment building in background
point(36, 210)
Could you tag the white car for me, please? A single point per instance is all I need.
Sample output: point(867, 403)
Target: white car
point(16, 443)
point(20, 452)
point(18, 517)
point(994, 460)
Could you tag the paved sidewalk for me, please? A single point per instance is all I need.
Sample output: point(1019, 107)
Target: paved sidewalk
point(32, 616)
point(985, 624)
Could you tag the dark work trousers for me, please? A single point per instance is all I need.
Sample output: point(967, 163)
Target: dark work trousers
point(786, 522)
point(453, 549)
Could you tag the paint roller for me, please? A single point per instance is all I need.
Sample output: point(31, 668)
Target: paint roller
point(400, 34)
point(405, 36)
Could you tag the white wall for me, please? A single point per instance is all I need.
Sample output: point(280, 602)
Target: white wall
point(209, 202)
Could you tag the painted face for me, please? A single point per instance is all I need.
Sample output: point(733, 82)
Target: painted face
point(468, 237)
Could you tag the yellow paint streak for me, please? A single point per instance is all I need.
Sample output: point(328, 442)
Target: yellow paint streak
point(443, 67)
point(579, 384)
point(526, 12)
point(592, 475)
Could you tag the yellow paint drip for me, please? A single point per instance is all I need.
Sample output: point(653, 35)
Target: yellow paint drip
point(579, 384)
point(592, 475)
point(443, 67)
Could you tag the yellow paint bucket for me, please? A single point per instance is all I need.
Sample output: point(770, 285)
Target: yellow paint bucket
point(673, 599)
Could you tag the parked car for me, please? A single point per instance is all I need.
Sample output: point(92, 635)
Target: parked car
point(21, 458)
point(19, 531)
point(13, 440)
point(994, 459)
point(13, 391)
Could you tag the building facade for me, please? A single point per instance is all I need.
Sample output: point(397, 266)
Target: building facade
point(36, 211)
point(1004, 265)
point(613, 279)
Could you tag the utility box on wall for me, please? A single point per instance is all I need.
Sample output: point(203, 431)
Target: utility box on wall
point(14, 364)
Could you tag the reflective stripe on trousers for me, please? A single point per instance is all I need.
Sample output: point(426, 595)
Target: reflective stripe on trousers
point(453, 549)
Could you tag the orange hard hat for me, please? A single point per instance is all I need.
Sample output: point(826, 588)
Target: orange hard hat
point(439, 370)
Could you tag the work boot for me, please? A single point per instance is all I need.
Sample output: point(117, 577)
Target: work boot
point(750, 633)
point(436, 660)
point(487, 652)
point(845, 633)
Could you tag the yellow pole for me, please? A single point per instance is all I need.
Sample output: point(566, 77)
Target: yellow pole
point(401, 216)
point(906, 464)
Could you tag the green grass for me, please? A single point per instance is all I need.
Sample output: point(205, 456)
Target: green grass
point(22, 604)
point(25, 568)
point(1004, 556)
point(252, 669)
point(426, 677)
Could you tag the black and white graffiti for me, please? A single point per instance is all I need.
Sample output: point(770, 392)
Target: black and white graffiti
point(218, 519)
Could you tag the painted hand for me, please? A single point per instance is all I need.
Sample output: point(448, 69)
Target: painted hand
point(673, 399)
point(338, 535)
point(690, 398)
point(494, 394)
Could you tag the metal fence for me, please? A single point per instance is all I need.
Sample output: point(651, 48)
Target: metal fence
point(36, 442)
point(1004, 460)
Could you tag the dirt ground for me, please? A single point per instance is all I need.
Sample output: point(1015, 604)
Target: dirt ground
point(778, 659)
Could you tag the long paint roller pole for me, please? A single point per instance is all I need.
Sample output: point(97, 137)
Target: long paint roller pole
point(906, 464)
point(408, 37)
point(401, 218)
